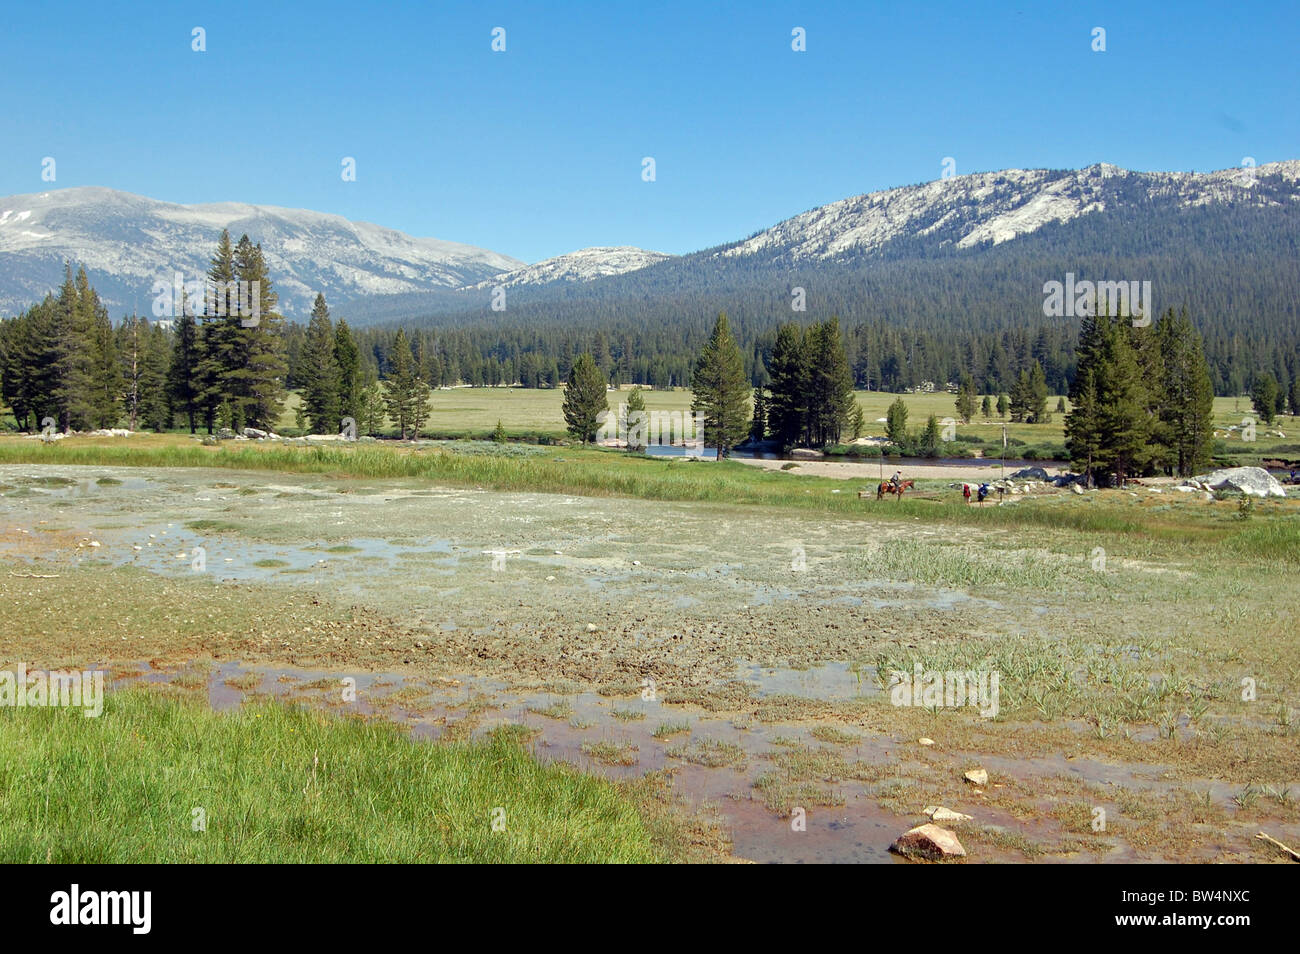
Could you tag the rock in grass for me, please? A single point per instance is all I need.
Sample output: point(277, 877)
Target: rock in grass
point(977, 777)
point(930, 842)
point(924, 741)
point(946, 816)
point(1251, 481)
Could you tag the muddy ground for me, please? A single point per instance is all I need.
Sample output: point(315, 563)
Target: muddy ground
point(744, 650)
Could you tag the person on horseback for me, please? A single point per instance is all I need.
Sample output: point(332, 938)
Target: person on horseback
point(895, 481)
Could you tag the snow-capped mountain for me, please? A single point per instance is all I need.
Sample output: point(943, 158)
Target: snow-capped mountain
point(584, 265)
point(994, 207)
point(128, 242)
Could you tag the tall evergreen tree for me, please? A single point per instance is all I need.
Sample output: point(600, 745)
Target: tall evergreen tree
point(132, 338)
point(257, 388)
point(1125, 422)
point(184, 374)
point(830, 383)
point(787, 409)
point(1263, 396)
point(404, 388)
point(1186, 407)
point(721, 390)
point(758, 424)
point(634, 421)
point(320, 371)
point(155, 365)
point(896, 422)
point(348, 360)
point(584, 398)
point(1083, 423)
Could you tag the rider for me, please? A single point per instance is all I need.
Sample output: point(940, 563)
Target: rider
point(896, 479)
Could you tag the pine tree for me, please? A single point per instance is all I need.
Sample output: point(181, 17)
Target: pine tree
point(419, 406)
point(72, 360)
point(1122, 398)
point(965, 402)
point(896, 422)
point(258, 386)
point(104, 399)
point(155, 365)
point(1263, 396)
point(1187, 402)
point(219, 346)
point(184, 377)
point(403, 389)
point(857, 421)
point(1002, 406)
point(584, 398)
point(370, 407)
point(130, 348)
point(986, 407)
point(1083, 423)
point(787, 409)
point(830, 383)
point(320, 371)
point(1037, 395)
point(721, 391)
point(348, 360)
point(635, 422)
point(1021, 398)
point(758, 425)
point(930, 437)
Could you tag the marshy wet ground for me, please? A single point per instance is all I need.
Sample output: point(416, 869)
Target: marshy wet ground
point(744, 650)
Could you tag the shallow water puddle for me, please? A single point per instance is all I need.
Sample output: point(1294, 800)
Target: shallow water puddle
point(572, 728)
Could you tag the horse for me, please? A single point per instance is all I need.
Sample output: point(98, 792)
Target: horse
point(887, 488)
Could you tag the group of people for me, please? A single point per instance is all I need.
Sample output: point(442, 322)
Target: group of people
point(982, 491)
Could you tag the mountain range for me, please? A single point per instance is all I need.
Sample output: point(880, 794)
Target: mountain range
point(844, 250)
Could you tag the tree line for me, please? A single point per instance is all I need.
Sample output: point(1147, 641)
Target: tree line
point(211, 368)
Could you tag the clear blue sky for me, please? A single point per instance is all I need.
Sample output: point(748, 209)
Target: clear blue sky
point(537, 151)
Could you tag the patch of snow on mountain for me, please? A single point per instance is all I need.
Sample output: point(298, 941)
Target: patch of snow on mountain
point(584, 265)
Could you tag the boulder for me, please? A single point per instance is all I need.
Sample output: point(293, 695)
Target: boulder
point(930, 842)
point(225, 434)
point(1030, 473)
point(1251, 481)
point(977, 777)
point(1076, 488)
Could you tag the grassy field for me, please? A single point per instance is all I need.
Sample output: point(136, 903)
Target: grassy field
point(533, 413)
point(474, 412)
point(162, 779)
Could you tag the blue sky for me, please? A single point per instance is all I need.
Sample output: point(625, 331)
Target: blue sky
point(537, 151)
